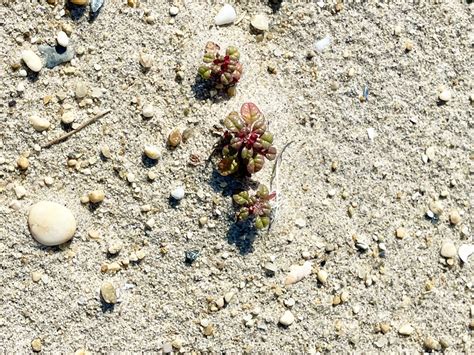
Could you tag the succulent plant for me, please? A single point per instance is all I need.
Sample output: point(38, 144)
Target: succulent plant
point(246, 143)
point(223, 71)
point(255, 205)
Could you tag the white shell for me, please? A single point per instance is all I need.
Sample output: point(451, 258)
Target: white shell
point(63, 39)
point(465, 251)
point(178, 193)
point(371, 133)
point(298, 272)
point(322, 44)
point(225, 16)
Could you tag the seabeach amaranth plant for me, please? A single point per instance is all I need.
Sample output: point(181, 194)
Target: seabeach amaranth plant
point(255, 206)
point(224, 71)
point(246, 143)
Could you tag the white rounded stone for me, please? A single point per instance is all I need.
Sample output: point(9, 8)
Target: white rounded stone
point(148, 111)
point(174, 10)
point(39, 123)
point(406, 329)
point(448, 249)
point(32, 60)
point(445, 95)
point(260, 22)
point(152, 152)
point(287, 318)
point(225, 16)
point(178, 193)
point(67, 117)
point(51, 223)
point(63, 39)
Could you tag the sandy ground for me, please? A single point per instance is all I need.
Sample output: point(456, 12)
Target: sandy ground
point(379, 185)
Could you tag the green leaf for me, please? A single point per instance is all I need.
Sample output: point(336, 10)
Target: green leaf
point(270, 154)
point(255, 164)
point(233, 53)
point(262, 191)
point(243, 214)
point(241, 198)
point(204, 72)
point(228, 166)
point(246, 153)
point(233, 122)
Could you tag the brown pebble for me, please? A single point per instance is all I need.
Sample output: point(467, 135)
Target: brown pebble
point(23, 163)
point(454, 217)
point(36, 345)
point(174, 138)
point(401, 233)
point(385, 327)
point(108, 293)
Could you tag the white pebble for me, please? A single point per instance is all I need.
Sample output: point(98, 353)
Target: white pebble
point(20, 191)
point(287, 318)
point(322, 44)
point(67, 117)
point(39, 123)
point(148, 111)
point(445, 95)
point(51, 223)
point(448, 249)
point(32, 60)
point(63, 39)
point(371, 133)
point(152, 152)
point(406, 329)
point(225, 16)
point(174, 11)
point(20, 87)
point(465, 251)
point(178, 193)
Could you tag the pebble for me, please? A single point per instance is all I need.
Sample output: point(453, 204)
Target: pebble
point(431, 344)
point(108, 293)
point(448, 249)
point(174, 138)
point(371, 133)
point(96, 5)
point(290, 302)
point(36, 276)
point(79, 2)
point(225, 16)
point(300, 223)
point(287, 318)
point(39, 123)
point(436, 207)
point(36, 345)
point(445, 95)
point(152, 152)
point(323, 276)
point(148, 111)
point(322, 44)
point(22, 163)
point(62, 39)
point(270, 269)
point(454, 217)
point(32, 60)
point(173, 11)
point(406, 329)
point(96, 196)
point(145, 60)
point(178, 193)
point(20, 191)
point(228, 296)
point(67, 117)
point(401, 233)
point(55, 56)
point(81, 90)
point(260, 22)
point(51, 223)
point(115, 247)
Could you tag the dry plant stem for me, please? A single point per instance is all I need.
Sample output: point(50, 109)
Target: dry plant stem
point(83, 125)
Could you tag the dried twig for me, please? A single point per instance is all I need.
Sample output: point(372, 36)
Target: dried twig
point(74, 131)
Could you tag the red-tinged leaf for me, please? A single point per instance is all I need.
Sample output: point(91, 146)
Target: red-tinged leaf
point(228, 166)
point(250, 112)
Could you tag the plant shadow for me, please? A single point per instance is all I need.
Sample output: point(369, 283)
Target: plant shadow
point(76, 11)
point(202, 91)
point(242, 235)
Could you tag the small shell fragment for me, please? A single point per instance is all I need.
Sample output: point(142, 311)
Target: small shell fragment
point(464, 251)
point(322, 44)
point(298, 272)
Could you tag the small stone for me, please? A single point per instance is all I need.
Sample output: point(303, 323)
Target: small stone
point(51, 223)
point(225, 16)
point(445, 95)
point(208, 330)
point(22, 163)
point(32, 60)
point(228, 296)
point(55, 55)
point(401, 233)
point(448, 249)
point(290, 302)
point(287, 318)
point(62, 39)
point(146, 61)
point(270, 269)
point(300, 223)
point(152, 152)
point(436, 207)
point(167, 348)
point(431, 344)
point(408, 45)
point(20, 191)
point(406, 329)
point(148, 111)
point(150, 19)
point(36, 276)
point(67, 117)
point(323, 276)
point(454, 217)
point(344, 296)
point(81, 90)
point(430, 153)
point(178, 193)
point(150, 223)
point(105, 151)
point(260, 22)
point(174, 138)
point(40, 124)
point(108, 293)
point(177, 343)
point(173, 11)
point(79, 2)
point(220, 302)
point(36, 345)
point(203, 221)
point(385, 327)
point(115, 247)
point(190, 256)
point(96, 196)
